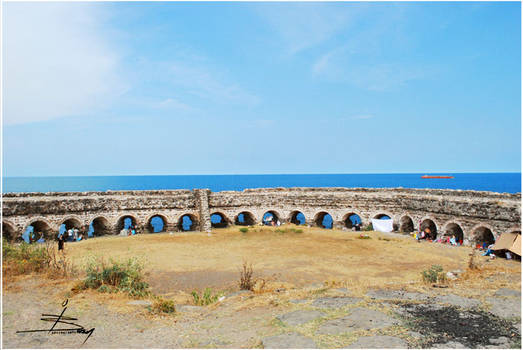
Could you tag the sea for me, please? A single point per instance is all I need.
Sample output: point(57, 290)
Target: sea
point(496, 182)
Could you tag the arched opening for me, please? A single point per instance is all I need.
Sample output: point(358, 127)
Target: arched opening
point(297, 218)
point(187, 223)
point(245, 219)
point(218, 220)
point(406, 224)
point(324, 220)
point(37, 231)
point(430, 228)
point(9, 232)
point(270, 218)
point(126, 222)
point(455, 230)
point(157, 223)
point(70, 224)
point(352, 220)
point(482, 235)
point(99, 226)
point(382, 217)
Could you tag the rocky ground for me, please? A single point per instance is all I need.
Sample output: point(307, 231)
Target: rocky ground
point(313, 317)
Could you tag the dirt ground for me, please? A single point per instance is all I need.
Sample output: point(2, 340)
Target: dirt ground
point(303, 272)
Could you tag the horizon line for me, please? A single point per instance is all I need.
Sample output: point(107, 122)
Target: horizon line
point(278, 174)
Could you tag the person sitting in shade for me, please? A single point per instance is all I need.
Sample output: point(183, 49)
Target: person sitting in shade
point(452, 240)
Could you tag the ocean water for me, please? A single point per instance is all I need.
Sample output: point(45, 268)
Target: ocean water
point(496, 182)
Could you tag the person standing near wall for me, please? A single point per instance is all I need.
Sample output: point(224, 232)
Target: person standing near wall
point(61, 240)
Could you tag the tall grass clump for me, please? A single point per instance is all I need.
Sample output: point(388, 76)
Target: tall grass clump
point(246, 276)
point(434, 274)
point(126, 277)
point(24, 258)
point(206, 298)
point(162, 306)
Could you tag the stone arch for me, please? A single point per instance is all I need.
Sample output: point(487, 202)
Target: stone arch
point(406, 224)
point(40, 224)
point(120, 223)
point(453, 228)
point(275, 214)
point(382, 213)
point(347, 221)
point(101, 225)
point(293, 217)
point(9, 231)
point(225, 221)
point(482, 233)
point(148, 222)
point(249, 218)
point(72, 221)
point(430, 223)
point(320, 216)
point(194, 220)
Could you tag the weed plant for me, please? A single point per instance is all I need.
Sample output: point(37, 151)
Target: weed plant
point(434, 274)
point(126, 277)
point(206, 298)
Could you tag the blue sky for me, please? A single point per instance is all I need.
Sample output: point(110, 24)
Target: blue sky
point(260, 88)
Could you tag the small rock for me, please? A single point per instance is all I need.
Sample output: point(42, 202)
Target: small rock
point(505, 292)
point(451, 276)
point(359, 319)
point(299, 317)
point(449, 345)
point(334, 303)
point(288, 341)
point(379, 342)
point(499, 341)
point(189, 308)
point(458, 301)
point(140, 302)
point(505, 308)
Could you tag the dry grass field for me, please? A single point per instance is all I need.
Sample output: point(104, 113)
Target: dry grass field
point(295, 268)
point(194, 261)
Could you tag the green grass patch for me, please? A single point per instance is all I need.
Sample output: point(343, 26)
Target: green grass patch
point(206, 298)
point(126, 277)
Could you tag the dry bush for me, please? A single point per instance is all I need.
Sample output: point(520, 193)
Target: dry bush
point(246, 276)
point(59, 263)
point(472, 265)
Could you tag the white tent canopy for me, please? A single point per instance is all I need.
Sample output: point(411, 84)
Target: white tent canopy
point(382, 225)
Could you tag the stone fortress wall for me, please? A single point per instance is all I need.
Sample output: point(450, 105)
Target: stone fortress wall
point(473, 214)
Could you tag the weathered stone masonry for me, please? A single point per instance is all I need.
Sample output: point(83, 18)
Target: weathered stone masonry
point(472, 212)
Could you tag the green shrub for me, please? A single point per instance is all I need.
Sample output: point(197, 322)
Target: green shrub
point(124, 277)
point(206, 298)
point(434, 274)
point(161, 305)
point(244, 230)
point(297, 230)
point(368, 227)
point(24, 258)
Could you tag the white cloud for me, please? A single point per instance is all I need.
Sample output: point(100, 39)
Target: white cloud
point(305, 25)
point(57, 62)
point(202, 81)
point(172, 103)
point(362, 116)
